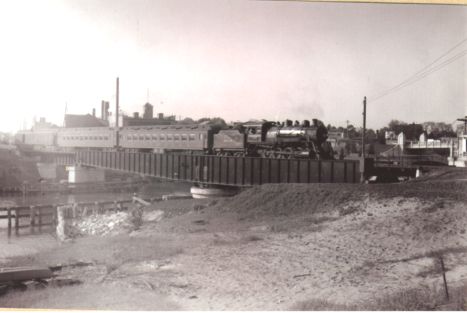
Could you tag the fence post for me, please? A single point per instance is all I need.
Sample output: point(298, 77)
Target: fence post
point(73, 212)
point(39, 213)
point(9, 222)
point(61, 227)
point(32, 221)
point(16, 222)
point(443, 269)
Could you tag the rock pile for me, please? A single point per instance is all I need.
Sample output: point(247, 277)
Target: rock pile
point(108, 224)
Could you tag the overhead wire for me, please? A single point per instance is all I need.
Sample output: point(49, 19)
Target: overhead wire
point(420, 76)
point(426, 70)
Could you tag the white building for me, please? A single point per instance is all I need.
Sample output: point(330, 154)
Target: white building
point(461, 160)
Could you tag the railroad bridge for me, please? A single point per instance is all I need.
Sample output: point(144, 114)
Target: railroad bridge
point(247, 171)
point(218, 170)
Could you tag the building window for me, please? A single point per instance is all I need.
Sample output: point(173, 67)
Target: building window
point(176, 137)
point(192, 137)
point(184, 137)
point(169, 137)
point(162, 137)
point(154, 137)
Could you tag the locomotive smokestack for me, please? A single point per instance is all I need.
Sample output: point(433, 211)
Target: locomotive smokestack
point(94, 112)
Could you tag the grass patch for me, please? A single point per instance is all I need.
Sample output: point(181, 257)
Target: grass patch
point(439, 204)
point(349, 209)
point(321, 305)
point(417, 299)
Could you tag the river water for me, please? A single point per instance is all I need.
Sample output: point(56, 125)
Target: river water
point(146, 191)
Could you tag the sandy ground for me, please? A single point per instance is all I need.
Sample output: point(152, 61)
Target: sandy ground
point(269, 248)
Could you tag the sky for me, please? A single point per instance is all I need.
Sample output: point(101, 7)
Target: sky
point(235, 59)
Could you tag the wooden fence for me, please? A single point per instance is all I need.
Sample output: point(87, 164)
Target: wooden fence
point(37, 217)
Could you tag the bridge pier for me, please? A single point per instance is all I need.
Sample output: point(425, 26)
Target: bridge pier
point(213, 191)
point(47, 170)
point(418, 173)
point(84, 174)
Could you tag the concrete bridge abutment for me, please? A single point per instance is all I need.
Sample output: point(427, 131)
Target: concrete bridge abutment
point(213, 191)
point(85, 174)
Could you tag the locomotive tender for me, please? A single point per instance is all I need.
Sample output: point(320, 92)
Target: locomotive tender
point(266, 139)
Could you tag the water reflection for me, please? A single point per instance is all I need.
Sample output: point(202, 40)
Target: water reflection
point(146, 191)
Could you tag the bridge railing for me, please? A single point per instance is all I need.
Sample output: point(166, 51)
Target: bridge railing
point(224, 170)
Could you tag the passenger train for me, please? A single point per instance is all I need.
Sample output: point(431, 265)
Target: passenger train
point(267, 139)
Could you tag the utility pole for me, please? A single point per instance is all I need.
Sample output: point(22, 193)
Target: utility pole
point(362, 160)
point(347, 128)
point(64, 115)
point(117, 96)
point(465, 123)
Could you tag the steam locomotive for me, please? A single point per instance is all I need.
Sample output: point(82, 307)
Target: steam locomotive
point(265, 138)
point(275, 140)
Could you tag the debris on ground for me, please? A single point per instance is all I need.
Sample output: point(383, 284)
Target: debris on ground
point(153, 216)
point(59, 267)
point(30, 278)
point(18, 274)
point(108, 224)
point(177, 195)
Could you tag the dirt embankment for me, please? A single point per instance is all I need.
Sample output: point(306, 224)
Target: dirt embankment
point(272, 247)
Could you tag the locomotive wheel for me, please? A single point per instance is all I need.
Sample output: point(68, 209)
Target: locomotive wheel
point(289, 152)
point(277, 153)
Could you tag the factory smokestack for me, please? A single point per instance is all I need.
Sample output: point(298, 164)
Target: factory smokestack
point(105, 110)
point(117, 104)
